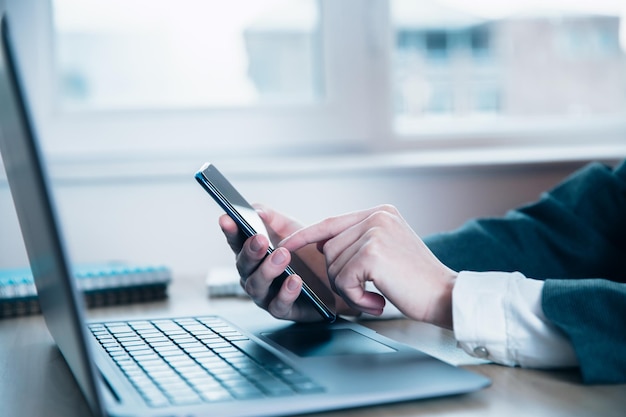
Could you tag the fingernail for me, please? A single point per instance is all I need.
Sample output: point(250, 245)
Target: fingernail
point(255, 245)
point(279, 257)
point(292, 284)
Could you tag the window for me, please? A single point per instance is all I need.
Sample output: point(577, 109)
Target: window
point(143, 78)
point(581, 40)
point(527, 64)
point(480, 41)
point(486, 99)
point(441, 100)
point(121, 55)
point(436, 44)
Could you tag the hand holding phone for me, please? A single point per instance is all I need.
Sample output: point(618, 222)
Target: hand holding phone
point(250, 223)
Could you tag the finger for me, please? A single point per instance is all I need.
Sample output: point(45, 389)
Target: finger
point(258, 283)
point(320, 246)
point(351, 257)
point(278, 225)
point(283, 305)
point(234, 237)
point(328, 228)
point(265, 213)
point(351, 287)
point(338, 254)
point(368, 302)
point(252, 253)
point(366, 237)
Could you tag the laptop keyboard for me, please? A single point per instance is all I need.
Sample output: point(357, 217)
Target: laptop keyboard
point(194, 360)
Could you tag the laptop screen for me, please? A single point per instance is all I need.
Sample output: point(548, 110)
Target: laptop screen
point(60, 305)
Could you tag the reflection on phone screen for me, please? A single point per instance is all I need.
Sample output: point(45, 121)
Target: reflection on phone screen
point(253, 219)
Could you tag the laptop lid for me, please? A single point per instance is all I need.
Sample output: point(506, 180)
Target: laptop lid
point(60, 304)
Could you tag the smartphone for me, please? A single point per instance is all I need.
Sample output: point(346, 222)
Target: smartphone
point(250, 223)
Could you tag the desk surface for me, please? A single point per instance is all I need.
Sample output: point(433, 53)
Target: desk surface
point(35, 380)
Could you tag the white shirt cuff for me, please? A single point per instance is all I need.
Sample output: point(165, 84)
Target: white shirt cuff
point(498, 316)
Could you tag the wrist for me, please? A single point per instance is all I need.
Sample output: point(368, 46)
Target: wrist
point(442, 302)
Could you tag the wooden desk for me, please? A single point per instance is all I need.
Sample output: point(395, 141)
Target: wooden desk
point(35, 380)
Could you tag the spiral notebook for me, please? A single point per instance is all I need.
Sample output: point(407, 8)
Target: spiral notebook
point(101, 284)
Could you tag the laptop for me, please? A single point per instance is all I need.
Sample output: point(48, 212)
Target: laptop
point(197, 365)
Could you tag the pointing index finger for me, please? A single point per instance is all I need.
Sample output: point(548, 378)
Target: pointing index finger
point(326, 229)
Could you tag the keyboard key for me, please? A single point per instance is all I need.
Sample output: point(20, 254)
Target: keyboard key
point(187, 361)
point(212, 395)
point(308, 387)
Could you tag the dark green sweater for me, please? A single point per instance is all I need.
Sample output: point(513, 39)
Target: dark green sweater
point(574, 238)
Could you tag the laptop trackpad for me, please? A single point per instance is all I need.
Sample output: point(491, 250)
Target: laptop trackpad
point(308, 342)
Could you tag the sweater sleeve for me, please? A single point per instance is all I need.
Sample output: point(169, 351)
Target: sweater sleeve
point(576, 230)
point(592, 313)
point(574, 238)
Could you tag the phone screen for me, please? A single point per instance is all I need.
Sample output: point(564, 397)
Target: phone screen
point(246, 217)
point(250, 215)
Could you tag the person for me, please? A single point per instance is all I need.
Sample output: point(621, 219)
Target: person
point(543, 286)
